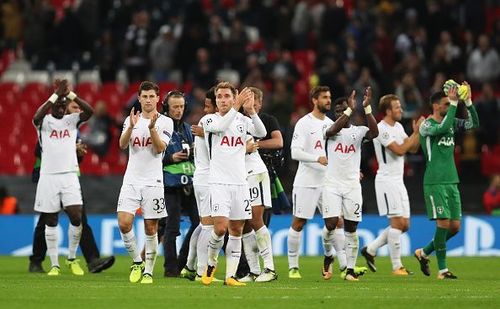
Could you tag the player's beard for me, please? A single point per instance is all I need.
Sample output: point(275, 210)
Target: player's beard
point(323, 109)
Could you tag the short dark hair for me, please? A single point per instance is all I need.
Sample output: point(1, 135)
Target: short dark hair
point(314, 94)
point(211, 96)
point(436, 97)
point(147, 85)
point(339, 101)
point(385, 102)
point(173, 94)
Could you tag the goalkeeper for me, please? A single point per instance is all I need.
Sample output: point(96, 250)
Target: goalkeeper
point(441, 195)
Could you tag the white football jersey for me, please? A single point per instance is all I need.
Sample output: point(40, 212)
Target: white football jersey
point(227, 148)
point(58, 142)
point(344, 156)
point(308, 136)
point(253, 161)
point(144, 164)
point(201, 159)
point(390, 165)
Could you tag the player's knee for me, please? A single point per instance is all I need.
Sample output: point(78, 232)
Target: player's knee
point(75, 221)
point(124, 227)
point(350, 226)
point(51, 220)
point(330, 225)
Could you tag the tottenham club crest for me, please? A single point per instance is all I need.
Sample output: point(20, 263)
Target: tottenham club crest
point(353, 136)
point(240, 128)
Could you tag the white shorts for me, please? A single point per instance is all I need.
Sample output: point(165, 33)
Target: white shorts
point(392, 199)
point(259, 187)
point(150, 199)
point(305, 201)
point(345, 202)
point(202, 195)
point(230, 201)
point(56, 189)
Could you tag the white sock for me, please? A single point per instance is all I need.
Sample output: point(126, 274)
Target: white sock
point(380, 241)
point(352, 244)
point(129, 242)
point(251, 251)
point(293, 248)
point(193, 242)
point(233, 254)
point(52, 240)
point(394, 242)
point(151, 250)
point(327, 241)
point(339, 245)
point(74, 235)
point(215, 243)
point(265, 247)
point(202, 248)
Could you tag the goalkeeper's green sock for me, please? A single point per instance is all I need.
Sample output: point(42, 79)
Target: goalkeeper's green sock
point(429, 248)
point(440, 245)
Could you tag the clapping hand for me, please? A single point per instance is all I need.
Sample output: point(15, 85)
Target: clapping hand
point(242, 97)
point(351, 100)
point(367, 98)
point(134, 117)
point(153, 121)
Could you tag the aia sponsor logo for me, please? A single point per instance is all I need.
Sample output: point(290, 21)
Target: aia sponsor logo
point(57, 134)
point(231, 141)
point(141, 141)
point(344, 148)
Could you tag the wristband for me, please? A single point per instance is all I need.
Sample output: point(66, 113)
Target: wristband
point(468, 102)
point(53, 98)
point(452, 102)
point(348, 112)
point(368, 109)
point(71, 96)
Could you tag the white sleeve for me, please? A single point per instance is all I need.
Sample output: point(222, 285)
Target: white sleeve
point(299, 154)
point(126, 124)
point(256, 126)
point(166, 130)
point(298, 143)
point(216, 125)
point(384, 137)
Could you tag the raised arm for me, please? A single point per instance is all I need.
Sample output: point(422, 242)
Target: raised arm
point(158, 144)
point(127, 129)
point(60, 89)
point(372, 123)
point(429, 130)
point(344, 118)
point(410, 144)
point(472, 120)
point(87, 110)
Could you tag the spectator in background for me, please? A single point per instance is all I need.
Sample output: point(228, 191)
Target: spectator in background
point(484, 63)
point(236, 46)
point(491, 198)
point(8, 203)
point(98, 136)
point(136, 47)
point(409, 94)
point(202, 71)
point(106, 55)
point(488, 109)
point(161, 53)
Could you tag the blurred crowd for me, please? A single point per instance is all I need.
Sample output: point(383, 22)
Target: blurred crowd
point(284, 47)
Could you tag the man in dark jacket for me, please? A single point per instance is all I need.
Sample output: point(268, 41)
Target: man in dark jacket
point(178, 170)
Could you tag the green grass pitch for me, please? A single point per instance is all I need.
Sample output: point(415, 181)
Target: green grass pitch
point(478, 286)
